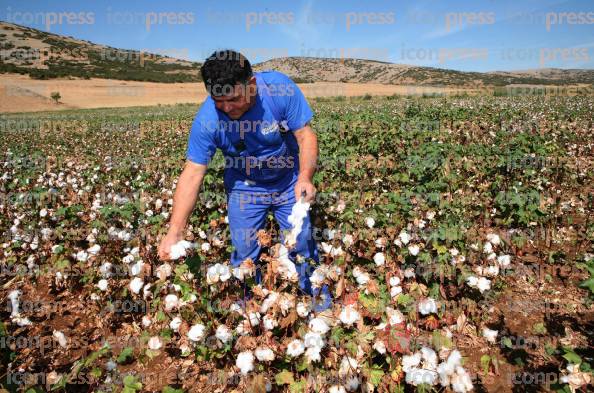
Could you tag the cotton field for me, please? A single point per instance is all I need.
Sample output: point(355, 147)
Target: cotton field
point(456, 238)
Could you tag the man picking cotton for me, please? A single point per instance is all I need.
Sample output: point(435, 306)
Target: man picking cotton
point(260, 122)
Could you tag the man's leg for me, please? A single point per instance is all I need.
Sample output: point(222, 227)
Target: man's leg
point(305, 247)
point(247, 215)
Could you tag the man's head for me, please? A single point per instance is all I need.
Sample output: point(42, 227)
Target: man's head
point(228, 78)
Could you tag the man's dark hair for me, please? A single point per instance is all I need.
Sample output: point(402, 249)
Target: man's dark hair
point(223, 70)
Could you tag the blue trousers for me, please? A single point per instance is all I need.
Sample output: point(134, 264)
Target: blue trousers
point(248, 207)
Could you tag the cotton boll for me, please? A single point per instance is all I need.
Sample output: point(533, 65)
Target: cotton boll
point(175, 324)
point(414, 249)
point(352, 383)
point(105, 269)
point(286, 268)
point(411, 361)
point(155, 343)
point(370, 222)
point(163, 271)
point(348, 366)
point(20, 321)
point(490, 335)
point(409, 273)
point(380, 347)
point(225, 273)
point(487, 248)
point(504, 261)
point(447, 369)
point(244, 328)
point(395, 291)
point(254, 318)
point(429, 358)
point(472, 281)
point(428, 306)
point(349, 315)
point(61, 338)
point(178, 250)
point(136, 268)
point(404, 238)
point(312, 339)
point(318, 325)
point(418, 376)
point(146, 321)
point(136, 285)
point(313, 354)
point(171, 302)
point(94, 250)
point(245, 362)
point(102, 285)
point(483, 284)
point(361, 276)
point(196, 332)
point(395, 317)
point(394, 280)
point(337, 389)
point(82, 256)
point(269, 322)
point(212, 275)
point(379, 259)
point(270, 300)
point(264, 354)
point(303, 309)
point(461, 381)
point(491, 271)
point(223, 333)
point(494, 239)
point(348, 240)
point(295, 348)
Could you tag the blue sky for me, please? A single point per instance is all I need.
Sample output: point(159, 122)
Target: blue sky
point(483, 35)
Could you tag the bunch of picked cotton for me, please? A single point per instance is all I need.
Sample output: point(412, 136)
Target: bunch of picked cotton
point(286, 267)
point(298, 213)
point(180, 248)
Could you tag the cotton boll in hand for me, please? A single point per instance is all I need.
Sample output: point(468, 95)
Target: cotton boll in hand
point(298, 213)
point(178, 250)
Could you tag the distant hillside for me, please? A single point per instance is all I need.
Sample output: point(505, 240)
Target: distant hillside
point(312, 69)
point(45, 55)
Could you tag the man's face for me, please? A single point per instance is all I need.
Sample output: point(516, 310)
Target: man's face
point(240, 101)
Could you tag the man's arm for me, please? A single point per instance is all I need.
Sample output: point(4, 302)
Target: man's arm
point(184, 200)
point(308, 157)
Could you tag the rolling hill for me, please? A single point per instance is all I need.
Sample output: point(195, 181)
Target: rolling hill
point(44, 55)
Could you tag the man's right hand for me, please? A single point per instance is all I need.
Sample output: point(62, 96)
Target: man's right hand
point(184, 200)
point(169, 240)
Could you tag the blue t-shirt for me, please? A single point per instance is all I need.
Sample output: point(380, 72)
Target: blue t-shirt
point(256, 135)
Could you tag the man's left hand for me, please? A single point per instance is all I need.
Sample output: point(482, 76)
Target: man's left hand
point(307, 187)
